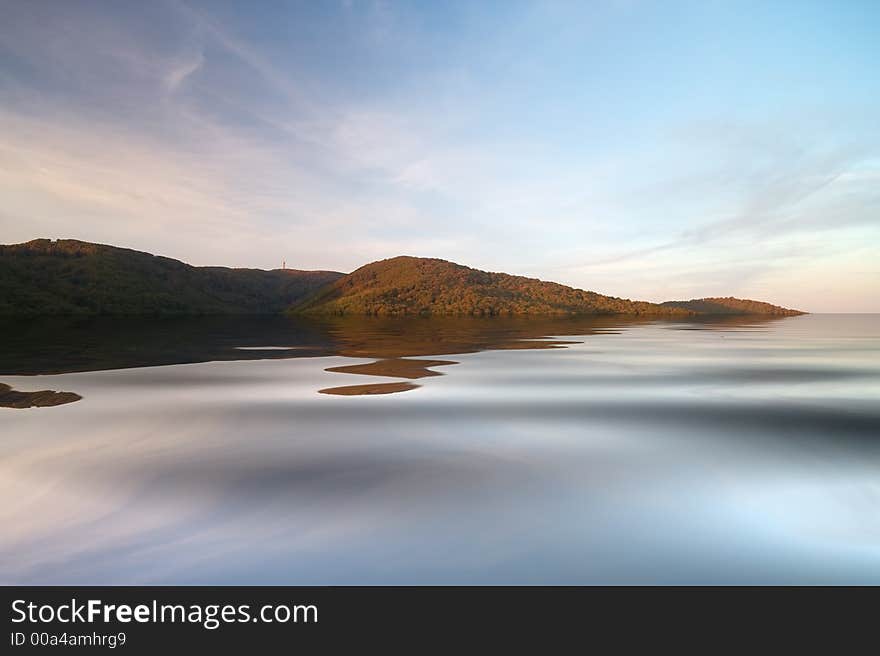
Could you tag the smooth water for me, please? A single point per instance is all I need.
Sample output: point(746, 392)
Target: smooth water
point(730, 451)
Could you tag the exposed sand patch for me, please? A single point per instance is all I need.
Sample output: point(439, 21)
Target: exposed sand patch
point(531, 344)
point(9, 398)
point(394, 368)
point(374, 388)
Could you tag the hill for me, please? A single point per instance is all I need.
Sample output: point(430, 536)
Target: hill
point(73, 277)
point(46, 277)
point(426, 286)
point(730, 305)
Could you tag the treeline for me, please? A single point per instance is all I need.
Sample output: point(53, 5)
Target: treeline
point(45, 277)
point(424, 286)
point(731, 305)
point(73, 277)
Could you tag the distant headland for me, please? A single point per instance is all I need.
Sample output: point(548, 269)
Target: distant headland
point(70, 277)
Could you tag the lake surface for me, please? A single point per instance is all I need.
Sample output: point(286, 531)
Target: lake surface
point(555, 451)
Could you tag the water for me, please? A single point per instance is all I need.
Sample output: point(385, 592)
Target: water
point(730, 451)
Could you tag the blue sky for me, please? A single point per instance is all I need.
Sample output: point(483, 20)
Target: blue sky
point(651, 150)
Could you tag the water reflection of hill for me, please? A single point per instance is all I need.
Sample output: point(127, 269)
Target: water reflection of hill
point(64, 345)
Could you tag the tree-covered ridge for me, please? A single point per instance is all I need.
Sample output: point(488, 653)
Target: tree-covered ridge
point(731, 305)
point(74, 277)
point(426, 286)
point(45, 277)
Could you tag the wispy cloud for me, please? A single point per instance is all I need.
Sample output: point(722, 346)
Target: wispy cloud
point(177, 75)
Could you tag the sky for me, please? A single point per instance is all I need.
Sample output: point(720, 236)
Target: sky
point(649, 150)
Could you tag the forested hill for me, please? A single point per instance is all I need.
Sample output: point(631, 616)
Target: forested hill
point(730, 305)
point(412, 285)
point(74, 277)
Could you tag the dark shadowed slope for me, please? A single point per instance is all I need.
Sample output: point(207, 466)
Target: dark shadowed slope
point(74, 277)
point(413, 285)
point(730, 305)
